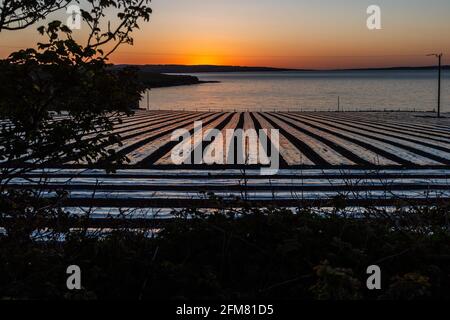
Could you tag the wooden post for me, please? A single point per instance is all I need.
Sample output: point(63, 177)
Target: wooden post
point(439, 56)
point(439, 86)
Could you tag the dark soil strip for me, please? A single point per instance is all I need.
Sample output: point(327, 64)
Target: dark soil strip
point(163, 150)
point(360, 174)
point(136, 134)
point(387, 141)
point(147, 124)
point(206, 203)
point(140, 143)
point(392, 122)
point(338, 148)
point(239, 125)
point(221, 167)
point(413, 128)
point(355, 187)
point(212, 177)
point(241, 122)
point(271, 146)
point(166, 121)
point(140, 116)
point(300, 145)
point(387, 132)
point(149, 121)
point(363, 144)
point(208, 140)
point(162, 124)
point(137, 117)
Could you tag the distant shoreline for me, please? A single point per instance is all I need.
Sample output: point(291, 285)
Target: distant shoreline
point(163, 76)
point(152, 80)
point(230, 69)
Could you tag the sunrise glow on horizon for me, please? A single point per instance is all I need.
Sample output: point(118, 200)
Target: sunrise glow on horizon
point(286, 33)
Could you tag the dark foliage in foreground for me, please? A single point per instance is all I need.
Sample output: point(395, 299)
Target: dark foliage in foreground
point(55, 95)
point(262, 254)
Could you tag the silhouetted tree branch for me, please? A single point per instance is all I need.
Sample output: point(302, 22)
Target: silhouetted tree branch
point(20, 14)
point(128, 15)
point(56, 95)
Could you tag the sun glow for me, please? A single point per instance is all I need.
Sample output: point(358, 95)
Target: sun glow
point(203, 60)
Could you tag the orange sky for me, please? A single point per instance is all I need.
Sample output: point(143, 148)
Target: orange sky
point(284, 33)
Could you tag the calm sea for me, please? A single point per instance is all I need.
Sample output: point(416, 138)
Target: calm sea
point(357, 90)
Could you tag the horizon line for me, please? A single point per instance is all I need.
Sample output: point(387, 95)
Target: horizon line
point(281, 68)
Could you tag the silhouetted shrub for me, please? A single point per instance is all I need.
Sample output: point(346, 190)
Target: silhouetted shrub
point(248, 253)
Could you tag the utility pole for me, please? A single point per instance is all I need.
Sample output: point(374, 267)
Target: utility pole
point(148, 99)
point(439, 86)
point(439, 56)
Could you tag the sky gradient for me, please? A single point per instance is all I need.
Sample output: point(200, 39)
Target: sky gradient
point(285, 33)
